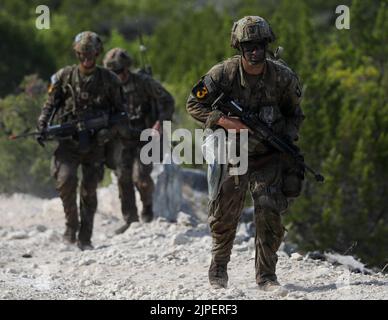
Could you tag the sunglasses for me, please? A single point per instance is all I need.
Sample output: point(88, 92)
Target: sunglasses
point(86, 55)
point(251, 46)
point(118, 71)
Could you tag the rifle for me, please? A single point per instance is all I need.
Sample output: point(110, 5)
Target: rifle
point(82, 128)
point(226, 105)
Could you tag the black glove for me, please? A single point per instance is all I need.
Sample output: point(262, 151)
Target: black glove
point(42, 136)
point(287, 138)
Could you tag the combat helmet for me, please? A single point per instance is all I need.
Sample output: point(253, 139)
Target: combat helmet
point(251, 28)
point(117, 59)
point(87, 41)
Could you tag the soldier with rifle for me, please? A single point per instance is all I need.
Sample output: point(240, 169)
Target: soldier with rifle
point(252, 91)
point(86, 102)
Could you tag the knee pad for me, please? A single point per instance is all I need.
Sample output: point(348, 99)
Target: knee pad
point(272, 201)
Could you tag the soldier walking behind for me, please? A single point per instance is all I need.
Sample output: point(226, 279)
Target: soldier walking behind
point(148, 104)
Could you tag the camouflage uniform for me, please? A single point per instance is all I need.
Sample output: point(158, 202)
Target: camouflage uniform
point(146, 102)
point(275, 97)
point(95, 94)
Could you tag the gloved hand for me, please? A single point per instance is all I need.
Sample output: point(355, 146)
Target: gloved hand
point(287, 138)
point(42, 136)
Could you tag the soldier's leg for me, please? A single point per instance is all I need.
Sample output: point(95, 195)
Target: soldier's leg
point(145, 185)
point(64, 170)
point(224, 215)
point(270, 203)
point(124, 173)
point(92, 171)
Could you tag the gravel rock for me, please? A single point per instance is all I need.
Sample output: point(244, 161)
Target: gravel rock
point(160, 260)
point(180, 239)
point(17, 235)
point(296, 256)
point(41, 228)
point(86, 262)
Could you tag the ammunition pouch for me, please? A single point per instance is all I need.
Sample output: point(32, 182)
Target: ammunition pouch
point(293, 179)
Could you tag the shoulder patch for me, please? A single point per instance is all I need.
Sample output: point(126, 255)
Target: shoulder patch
point(50, 88)
point(53, 80)
point(61, 75)
point(200, 91)
point(205, 87)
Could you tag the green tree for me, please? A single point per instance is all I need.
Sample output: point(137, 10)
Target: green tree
point(292, 26)
point(24, 164)
point(22, 53)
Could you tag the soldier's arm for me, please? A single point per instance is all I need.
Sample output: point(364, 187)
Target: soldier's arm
point(164, 100)
point(291, 108)
point(199, 105)
point(55, 98)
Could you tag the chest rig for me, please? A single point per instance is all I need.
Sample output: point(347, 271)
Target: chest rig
point(83, 96)
point(84, 100)
point(263, 99)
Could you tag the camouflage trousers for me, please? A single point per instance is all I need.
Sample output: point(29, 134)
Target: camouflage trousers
point(64, 166)
point(131, 172)
point(266, 187)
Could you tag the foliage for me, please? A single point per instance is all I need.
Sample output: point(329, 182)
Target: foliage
point(343, 72)
point(23, 164)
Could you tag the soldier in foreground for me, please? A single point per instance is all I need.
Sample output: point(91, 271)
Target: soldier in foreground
point(271, 90)
point(148, 104)
point(80, 92)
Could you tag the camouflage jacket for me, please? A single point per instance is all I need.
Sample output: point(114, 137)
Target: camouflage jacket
point(275, 97)
point(76, 96)
point(147, 101)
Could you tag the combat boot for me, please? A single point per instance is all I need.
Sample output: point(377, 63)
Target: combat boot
point(85, 245)
point(269, 285)
point(70, 235)
point(123, 228)
point(147, 214)
point(218, 275)
point(126, 225)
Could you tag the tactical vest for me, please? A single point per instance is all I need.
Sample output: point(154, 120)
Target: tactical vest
point(83, 99)
point(230, 69)
point(268, 112)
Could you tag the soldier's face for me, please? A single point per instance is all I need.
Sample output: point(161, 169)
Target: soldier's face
point(254, 52)
point(122, 74)
point(87, 59)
